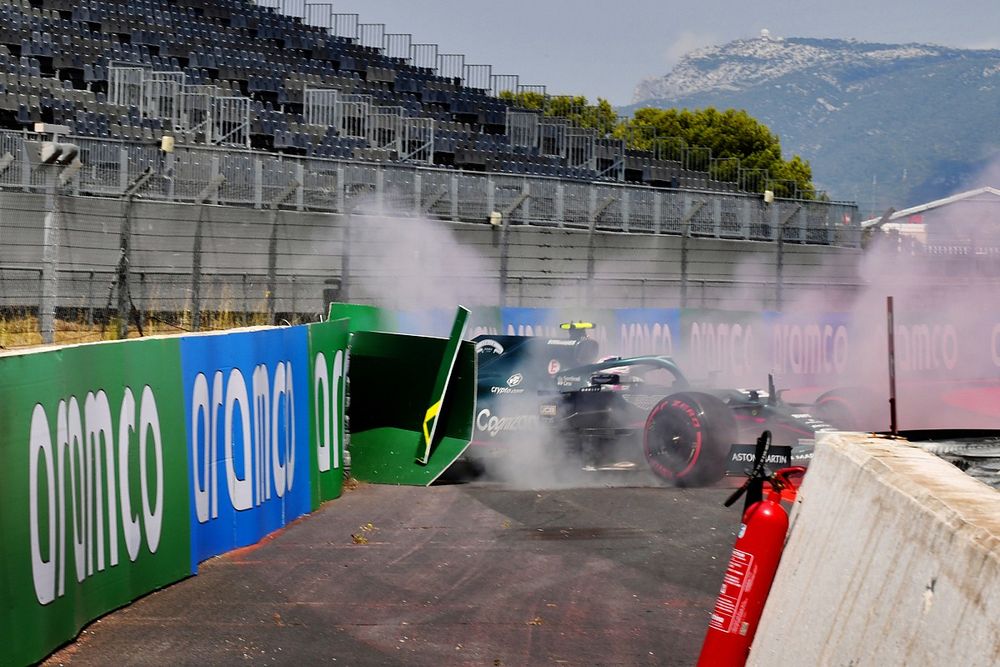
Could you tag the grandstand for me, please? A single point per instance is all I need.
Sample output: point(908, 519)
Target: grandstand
point(229, 158)
point(317, 84)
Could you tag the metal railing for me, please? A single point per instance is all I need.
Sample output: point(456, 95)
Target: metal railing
point(249, 178)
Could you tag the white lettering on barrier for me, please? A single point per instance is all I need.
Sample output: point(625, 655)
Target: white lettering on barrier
point(130, 521)
point(810, 349)
point(240, 490)
point(267, 425)
point(43, 570)
point(328, 409)
point(78, 448)
point(637, 338)
point(722, 347)
point(922, 347)
point(149, 422)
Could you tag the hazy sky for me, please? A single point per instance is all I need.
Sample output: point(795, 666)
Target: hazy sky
point(602, 49)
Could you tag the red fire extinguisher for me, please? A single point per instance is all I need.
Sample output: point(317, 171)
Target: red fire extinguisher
point(751, 568)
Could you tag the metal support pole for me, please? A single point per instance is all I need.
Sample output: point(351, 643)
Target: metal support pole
point(890, 315)
point(295, 187)
point(491, 196)
point(685, 235)
point(258, 184)
point(418, 188)
point(526, 205)
point(345, 260)
point(561, 204)
point(504, 258)
point(779, 287)
point(658, 212)
point(196, 271)
point(380, 190)
point(454, 196)
point(208, 192)
point(626, 210)
point(125, 241)
point(50, 257)
point(341, 202)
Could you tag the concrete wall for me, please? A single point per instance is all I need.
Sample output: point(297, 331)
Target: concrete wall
point(395, 262)
point(893, 559)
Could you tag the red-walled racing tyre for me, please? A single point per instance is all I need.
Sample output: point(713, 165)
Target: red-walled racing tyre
point(687, 438)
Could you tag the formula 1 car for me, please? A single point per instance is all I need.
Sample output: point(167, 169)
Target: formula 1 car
point(617, 411)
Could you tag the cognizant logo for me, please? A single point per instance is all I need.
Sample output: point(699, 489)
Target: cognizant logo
point(86, 473)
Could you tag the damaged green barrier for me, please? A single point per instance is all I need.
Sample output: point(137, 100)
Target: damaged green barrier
point(413, 401)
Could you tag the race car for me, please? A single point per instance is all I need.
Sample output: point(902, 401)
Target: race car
point(615, 412)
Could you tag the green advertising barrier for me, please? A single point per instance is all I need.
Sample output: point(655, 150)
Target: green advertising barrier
point(328, 360)
point(364, 318)
point(392, 384)
point(94, 502)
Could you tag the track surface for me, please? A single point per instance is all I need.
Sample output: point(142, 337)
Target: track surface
point(457, 574)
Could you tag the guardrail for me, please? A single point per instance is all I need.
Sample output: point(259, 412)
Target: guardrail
point(235, 177)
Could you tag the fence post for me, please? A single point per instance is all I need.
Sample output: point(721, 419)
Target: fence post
point(25, 168)
point(561, 204)
point(215, 176)
point(246, 301)
point(526, 204)
point(626, 210)
point(340, 202)
point(657, 212)
point(491, 196)
point(272, 267)
point(300, 191)
point(122, 169)
point(171, 173)
point(50, 257)
point(258, 184)
point(454, 197)
point(504, 258)
point(418, 187)
point(90, 299)
point(125, 241)
point(196, 271)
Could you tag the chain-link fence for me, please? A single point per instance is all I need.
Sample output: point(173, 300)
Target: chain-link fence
point(77, 269)
point(131, 240)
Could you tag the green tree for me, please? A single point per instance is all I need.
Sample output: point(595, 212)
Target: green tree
point(690, 136)
point(731, 145)
point(574, 108)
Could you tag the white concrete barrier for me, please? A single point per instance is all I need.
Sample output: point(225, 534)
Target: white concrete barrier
point(893, 559)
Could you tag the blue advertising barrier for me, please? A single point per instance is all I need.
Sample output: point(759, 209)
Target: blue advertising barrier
point(647, 331)
point(247, 420)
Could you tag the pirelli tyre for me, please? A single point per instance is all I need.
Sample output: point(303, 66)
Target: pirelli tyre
point(687, 438)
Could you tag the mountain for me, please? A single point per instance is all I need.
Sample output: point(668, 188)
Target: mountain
point(881, 124)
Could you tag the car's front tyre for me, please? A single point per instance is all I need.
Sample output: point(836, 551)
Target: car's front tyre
point(687, 438)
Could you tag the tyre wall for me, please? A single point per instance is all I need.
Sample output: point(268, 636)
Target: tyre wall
point(893, 558)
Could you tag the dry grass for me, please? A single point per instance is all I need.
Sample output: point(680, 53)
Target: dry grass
point(23, 331)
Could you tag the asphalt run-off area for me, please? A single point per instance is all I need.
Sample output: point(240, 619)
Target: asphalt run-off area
point(470, 573)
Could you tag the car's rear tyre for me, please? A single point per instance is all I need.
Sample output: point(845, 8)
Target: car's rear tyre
point(687, 438)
